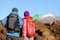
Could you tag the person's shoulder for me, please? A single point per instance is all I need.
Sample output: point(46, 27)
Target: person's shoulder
point(30, 16)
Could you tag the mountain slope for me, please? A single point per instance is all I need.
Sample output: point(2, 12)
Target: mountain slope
point(49, 18)
point(45, 33)
point(42, 32)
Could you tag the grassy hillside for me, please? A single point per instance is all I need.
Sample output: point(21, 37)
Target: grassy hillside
point(47, 31)
point(2, 32)
point(43, 31)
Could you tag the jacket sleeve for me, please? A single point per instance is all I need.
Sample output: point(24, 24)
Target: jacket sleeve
point(20, 22)
point(4, 21)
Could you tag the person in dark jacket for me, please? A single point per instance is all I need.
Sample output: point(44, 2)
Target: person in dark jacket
point(13, 24)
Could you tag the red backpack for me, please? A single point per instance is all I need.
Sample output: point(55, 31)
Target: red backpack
point(29, 27)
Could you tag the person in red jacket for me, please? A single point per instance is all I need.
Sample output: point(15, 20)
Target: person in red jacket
point(28, 27)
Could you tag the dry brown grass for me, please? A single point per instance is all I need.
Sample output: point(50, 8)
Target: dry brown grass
point(44, 32)
point(2, 32)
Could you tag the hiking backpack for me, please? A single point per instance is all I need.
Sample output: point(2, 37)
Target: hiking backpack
point(12, 23)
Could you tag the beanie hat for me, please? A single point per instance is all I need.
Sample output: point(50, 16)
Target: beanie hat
point(26, 13)
point(14, 9)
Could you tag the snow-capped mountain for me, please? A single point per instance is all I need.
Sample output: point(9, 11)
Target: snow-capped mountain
point(49, 18)
point(48, 15)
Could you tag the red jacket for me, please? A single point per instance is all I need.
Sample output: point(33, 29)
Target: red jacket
point(28, 28)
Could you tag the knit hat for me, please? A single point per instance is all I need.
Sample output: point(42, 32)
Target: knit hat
point(14, 9)
point(26, 13)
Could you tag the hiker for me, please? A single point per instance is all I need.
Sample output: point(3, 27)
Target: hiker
point(13, 24)
point(28, 27)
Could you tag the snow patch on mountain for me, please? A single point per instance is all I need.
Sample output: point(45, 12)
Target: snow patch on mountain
point(48, 18)
point(48, 15)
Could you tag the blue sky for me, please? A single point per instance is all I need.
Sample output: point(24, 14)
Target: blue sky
point(33, 6)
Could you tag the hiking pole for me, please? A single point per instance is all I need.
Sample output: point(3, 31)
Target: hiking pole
point(36, 16)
